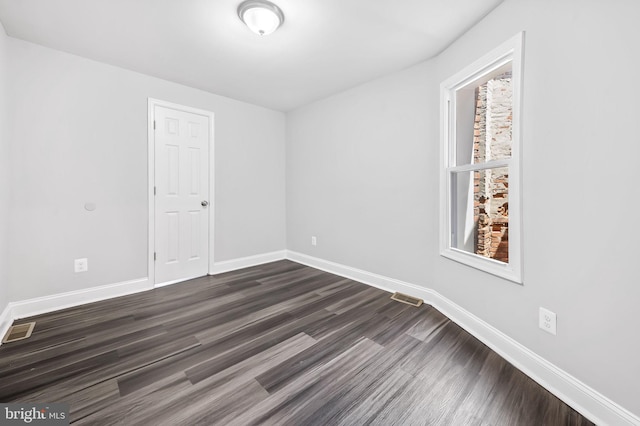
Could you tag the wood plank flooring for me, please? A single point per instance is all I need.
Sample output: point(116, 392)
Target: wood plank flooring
point(276, 344)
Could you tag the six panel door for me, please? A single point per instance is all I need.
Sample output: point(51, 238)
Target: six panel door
point(182, 191)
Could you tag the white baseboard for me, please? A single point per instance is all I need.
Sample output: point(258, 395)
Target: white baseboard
point(42, 305)
point(581, 397)
point(166, 283)
point(584, 399)
point(245, 262)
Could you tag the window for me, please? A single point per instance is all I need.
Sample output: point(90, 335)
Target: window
point(481, 219)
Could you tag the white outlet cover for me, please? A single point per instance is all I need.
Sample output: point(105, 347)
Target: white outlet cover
point(547, 321)
point(81, 265)
point(314, 241)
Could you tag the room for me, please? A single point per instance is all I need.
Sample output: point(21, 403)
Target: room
point(312, 138)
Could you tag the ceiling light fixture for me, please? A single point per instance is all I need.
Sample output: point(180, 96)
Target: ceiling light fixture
point(261, 16)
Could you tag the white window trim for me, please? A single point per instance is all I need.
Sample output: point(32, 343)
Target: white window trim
point(510, 51)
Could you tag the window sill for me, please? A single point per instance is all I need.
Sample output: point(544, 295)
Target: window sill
point(494, 267)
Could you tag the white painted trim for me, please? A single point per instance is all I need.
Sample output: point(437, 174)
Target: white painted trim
point(159, 285)
point(6, 319)
point(151, 180)
point(235, 264)
point(151, 170)
point(578, 395)
point(55, 302)
point(511, 51)
point(245, 262)
point(584, 399)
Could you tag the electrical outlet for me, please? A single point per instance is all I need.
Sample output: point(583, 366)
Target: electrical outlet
point(314, 241)
point(547, 321)
point(81, 265)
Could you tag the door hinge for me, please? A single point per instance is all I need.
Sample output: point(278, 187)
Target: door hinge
point(154, 124)
point(154, 256)
point(154, 190)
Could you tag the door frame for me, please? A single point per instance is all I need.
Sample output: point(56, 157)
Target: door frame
point(151, 167)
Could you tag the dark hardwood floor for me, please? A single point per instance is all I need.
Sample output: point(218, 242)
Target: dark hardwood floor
point(274, 344)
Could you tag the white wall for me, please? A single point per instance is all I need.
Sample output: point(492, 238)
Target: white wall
point(358, 178)
point(363, 171)
point(4, 177)
point(79, 134)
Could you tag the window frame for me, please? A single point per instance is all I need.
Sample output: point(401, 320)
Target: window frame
point(510, 51)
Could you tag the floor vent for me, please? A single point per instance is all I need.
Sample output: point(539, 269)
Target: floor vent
point(19, 332)
point(405, 298)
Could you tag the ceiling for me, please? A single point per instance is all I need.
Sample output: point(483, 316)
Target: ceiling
point(324, 46)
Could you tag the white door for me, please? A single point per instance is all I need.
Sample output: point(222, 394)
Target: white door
point(181, 195)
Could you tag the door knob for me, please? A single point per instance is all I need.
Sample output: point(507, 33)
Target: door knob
point(204, 203)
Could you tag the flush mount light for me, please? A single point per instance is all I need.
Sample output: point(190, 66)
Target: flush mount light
point(261, 16)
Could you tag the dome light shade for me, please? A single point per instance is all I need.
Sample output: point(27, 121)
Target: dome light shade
point(261, 16)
